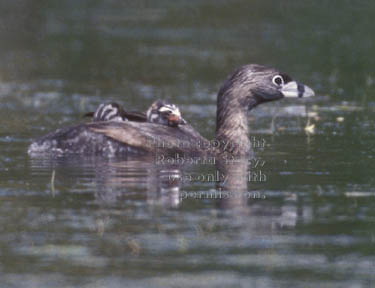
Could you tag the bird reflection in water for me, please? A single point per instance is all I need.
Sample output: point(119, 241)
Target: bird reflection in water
point(114, 182)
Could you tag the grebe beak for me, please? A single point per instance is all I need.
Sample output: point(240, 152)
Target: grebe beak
point(294, 89)
point(175, 120)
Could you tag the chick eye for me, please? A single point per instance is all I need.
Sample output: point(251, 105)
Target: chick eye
point(278, 80)
point(165, 112)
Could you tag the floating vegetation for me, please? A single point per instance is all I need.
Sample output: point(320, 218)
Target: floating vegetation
point(53, 190)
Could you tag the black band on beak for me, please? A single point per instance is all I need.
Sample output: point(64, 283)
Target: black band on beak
point(301, 90)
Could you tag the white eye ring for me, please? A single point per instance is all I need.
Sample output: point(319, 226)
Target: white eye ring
point(278, 80)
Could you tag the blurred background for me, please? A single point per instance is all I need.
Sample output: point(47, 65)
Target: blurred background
point(106, 223)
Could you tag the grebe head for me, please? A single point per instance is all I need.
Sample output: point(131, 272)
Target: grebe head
point(109, 112)
point(162, 112)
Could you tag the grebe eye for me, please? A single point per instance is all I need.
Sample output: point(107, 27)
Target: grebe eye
point(165, 110)
point(278, 80)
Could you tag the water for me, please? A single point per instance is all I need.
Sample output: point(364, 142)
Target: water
point(107, 222)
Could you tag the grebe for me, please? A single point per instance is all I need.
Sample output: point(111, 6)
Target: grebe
point(243, 90)
point(161, 112)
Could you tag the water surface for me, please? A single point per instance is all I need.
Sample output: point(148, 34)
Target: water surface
point(108, 222)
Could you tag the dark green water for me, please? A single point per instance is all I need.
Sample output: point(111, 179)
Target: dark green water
point(99, 222)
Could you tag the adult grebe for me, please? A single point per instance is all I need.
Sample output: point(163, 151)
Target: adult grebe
point(244, 89)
